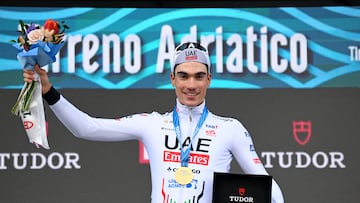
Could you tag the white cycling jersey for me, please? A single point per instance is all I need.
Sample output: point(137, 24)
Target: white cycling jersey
point(212, 150)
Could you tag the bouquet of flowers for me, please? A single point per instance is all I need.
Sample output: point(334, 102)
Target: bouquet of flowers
point(36, 45)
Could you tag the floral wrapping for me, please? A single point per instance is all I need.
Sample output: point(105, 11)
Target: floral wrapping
point(36, 45)
point(33, 119)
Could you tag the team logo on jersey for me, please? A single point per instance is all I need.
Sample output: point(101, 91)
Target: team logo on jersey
point(194, 158)
point(210, 132)
point(257, 160)
point(302, 131)
point(211, 126)
point(167, 129)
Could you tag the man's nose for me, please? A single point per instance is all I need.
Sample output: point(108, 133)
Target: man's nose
point(191, 83)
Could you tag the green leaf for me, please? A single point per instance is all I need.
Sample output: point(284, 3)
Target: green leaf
point(28, 96)
point(22, 25)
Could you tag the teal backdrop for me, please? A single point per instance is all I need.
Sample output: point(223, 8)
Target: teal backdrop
point(250, 48)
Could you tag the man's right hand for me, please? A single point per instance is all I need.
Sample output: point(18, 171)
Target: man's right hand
point(45, 82)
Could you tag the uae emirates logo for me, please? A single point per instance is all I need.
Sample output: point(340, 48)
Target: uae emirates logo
point(302, 131)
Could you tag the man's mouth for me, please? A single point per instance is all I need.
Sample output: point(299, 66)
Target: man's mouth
point(191, 94)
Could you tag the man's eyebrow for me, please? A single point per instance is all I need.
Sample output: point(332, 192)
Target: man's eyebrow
point(186, 73)
point(200, 73)
point(182, 73)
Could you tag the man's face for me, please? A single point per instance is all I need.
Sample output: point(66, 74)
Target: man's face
point(191, 80)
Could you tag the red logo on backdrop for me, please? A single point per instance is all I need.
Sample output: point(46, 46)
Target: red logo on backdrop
point(302, 131)
point(28, 125)
point(242, 191)
point(143, 155)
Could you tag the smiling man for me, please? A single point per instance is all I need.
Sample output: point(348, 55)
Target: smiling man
point(191, 80)
point(184, 153)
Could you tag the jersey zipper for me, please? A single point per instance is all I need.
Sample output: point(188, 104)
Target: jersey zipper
point(190, 116)
point(190, 127)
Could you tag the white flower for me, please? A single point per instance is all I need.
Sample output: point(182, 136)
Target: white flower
point(34, 36)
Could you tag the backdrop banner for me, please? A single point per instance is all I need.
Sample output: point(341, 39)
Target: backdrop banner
point(250, 48)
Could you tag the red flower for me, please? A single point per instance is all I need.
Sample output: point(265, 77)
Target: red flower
point(52, 25)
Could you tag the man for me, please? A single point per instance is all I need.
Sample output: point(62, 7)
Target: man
point(189, 151)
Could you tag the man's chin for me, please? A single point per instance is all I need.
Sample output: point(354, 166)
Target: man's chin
point(192, 103)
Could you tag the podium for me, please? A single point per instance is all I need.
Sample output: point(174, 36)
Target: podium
point(230, 188)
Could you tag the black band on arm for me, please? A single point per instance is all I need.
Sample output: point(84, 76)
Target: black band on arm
point(52, 96)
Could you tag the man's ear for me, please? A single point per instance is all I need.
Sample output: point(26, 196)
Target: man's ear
point(172, 78)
